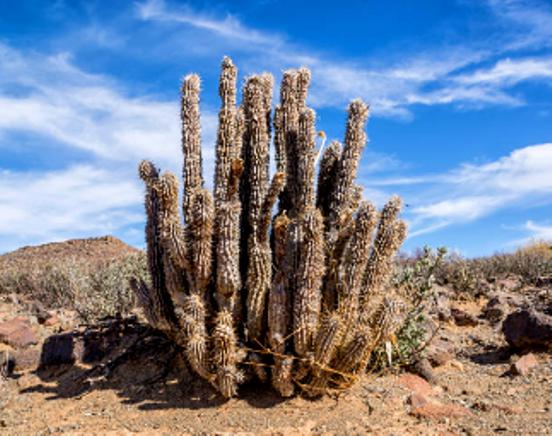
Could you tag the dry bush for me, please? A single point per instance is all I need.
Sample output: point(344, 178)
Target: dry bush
point(93, 290)
point(471, 277)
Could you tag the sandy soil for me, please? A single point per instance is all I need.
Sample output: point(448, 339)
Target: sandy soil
point(473, 394)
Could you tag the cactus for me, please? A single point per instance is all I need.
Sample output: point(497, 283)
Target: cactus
point(299, 298)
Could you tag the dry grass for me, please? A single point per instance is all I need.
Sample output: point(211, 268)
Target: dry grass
point(529, 264)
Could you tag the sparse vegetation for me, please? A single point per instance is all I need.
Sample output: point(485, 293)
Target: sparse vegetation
point(472, 277)
point(92, 283)
point(414, 278)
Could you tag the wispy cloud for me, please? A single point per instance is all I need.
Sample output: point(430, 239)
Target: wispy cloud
point(228, 27)
point(469, 192)
point(508, 72)
point(435, 77)
point(81, 200)
point(526, 23)
point(50, 97)
point(539, 231)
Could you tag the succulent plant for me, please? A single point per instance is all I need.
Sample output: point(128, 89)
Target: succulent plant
point(282, 279)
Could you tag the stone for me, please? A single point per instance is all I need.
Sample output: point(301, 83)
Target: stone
point(61, 349)
point(544, 281)
point(18, 333)
point(463, 318)
point(495, 310)
point(417, 400)
point(524, 365)
point(7, 363)
point(500, 304)
point(510, 284)
point(415, 384)
point(528, 328)
point(440, 352)
point(36, 309)
point(457, 365)
point(28, 358)
point(423, 368)
point(437, 410)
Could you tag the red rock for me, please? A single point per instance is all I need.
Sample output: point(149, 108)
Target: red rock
point(415, 384)
point(18, 333)
point(417, 400)
point(524, 364)
point(436, 410)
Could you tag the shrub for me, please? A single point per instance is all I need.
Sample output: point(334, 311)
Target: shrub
point(93, 291)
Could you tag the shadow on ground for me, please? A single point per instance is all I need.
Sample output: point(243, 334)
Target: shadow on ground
point(137, 362)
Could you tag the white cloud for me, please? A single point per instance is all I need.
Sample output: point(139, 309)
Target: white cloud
point(440, 76)
point(526, 23)
point(539, 231)
point(525, 171)
point(229, 27)
point(82, 200)
point(521, 179)
point(89, 112)
point(508, 72)
point(50, 97)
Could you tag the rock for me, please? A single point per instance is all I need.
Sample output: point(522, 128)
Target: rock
point(61, 349)
point(26, 359)
point(524, 365)
point(423, 368)
point(510, 284)
point(7, 363)
point(499, 305)
point(436, 410)
point(495, 310)
point(463, 318)
point(18, 333)
point(527, 328)
point(457, 365)
point(417, 400)
point(483, 287)
point(439, 357)
point(36, 308)
point(415, 384)
point(544, 281)
point(439, 352)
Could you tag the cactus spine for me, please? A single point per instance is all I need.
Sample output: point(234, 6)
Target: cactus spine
point(299, 297)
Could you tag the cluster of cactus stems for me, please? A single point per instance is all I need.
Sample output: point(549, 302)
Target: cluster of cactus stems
point(281, 278)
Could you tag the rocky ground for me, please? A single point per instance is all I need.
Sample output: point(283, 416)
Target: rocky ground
point(119, 377)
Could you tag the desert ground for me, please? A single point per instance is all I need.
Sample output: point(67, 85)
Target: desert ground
point(118, 376)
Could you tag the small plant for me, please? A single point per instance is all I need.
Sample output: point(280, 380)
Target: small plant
point(298, 298)
point(414, 280)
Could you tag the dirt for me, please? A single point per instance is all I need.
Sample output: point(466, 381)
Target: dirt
point(151, 391)
point(474, 394)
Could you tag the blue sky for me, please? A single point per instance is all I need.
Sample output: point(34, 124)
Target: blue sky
point(460, 95)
